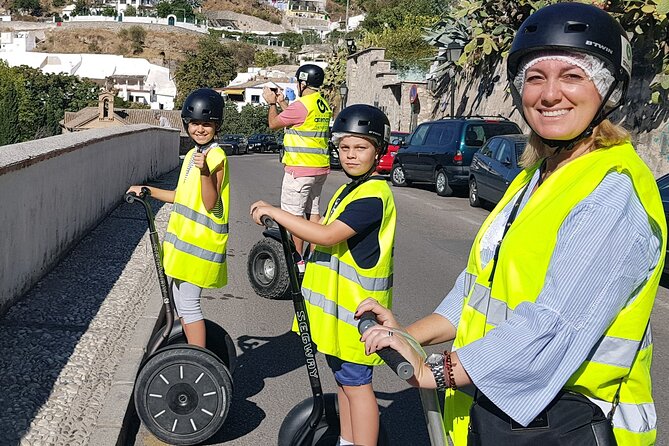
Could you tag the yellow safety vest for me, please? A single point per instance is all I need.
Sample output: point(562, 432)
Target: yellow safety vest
point(522, 264)
point(334, 284)
point(307, 144)
point(194, 249)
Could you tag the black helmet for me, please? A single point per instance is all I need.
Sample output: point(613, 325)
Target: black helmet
point(364, 120)
point(312, 74)
point(574, 27)
point(581, 28)
point(203, 104)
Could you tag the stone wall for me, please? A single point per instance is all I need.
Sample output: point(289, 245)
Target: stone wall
point(54, 190)
point(371, 80)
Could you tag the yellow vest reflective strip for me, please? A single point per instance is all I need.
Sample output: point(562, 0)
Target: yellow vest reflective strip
point(200, 218)
point(307, 144)
point(318, 134)
point(330, 307)
point(368, 283)
point(521, 268)
point(193, 250)
point(313, 150)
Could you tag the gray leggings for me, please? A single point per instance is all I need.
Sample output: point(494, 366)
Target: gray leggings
point(186, 300)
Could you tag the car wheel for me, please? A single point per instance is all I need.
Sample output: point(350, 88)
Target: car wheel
point(474, 199)
point(441, 184)
point(397, 176)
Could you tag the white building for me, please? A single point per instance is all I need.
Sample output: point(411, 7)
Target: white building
point(17, 41)
point(136, 79)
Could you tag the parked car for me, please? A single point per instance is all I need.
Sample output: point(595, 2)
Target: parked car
point(663, 185)
point(494, 167)
point(386, 161)
point(234, 144)
point(264, 142)
point(440, 152)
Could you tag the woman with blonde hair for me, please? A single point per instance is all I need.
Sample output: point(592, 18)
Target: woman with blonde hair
point(550, 318)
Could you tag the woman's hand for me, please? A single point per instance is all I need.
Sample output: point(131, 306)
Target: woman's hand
point(383, 315)
point(379, 337)
point(260, 208)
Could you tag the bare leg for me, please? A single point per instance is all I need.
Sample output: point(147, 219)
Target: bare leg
point(196, 333)
point(345, 428)
point(363, 414)
point(299, 244)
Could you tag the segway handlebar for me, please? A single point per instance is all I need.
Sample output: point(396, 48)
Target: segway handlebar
point(392, 358)
point(131, 197)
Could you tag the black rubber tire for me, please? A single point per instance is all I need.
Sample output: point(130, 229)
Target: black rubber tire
point(218, 341)
point(326, 432)
point(183, 394)
point(397, 176)
point(474, 199)
point(267, 269)
point(441, 184)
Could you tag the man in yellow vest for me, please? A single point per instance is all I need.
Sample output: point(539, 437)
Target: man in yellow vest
point(307, 163)
point(550, 318)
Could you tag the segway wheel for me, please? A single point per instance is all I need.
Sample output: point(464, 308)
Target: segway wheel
point(267, 270)
point(182, 395)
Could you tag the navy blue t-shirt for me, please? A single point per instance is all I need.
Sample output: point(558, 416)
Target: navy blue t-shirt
point(364, 216)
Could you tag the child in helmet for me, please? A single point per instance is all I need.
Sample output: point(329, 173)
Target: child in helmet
point(194, 247)
point(353, 260)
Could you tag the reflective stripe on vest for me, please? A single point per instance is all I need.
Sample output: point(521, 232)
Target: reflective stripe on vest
point(306, 133)
point(200, 218)
point(334, 284)
point(330, 307)
point(194, 247)
point(519, 277)
point(307, 144)
point(369, 283)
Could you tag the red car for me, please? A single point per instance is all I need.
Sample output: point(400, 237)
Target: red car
point(386, 162)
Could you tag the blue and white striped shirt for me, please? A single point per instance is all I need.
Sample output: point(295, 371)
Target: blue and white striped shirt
point(605, 252)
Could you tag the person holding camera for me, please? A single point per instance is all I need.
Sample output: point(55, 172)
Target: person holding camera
point(307, 162)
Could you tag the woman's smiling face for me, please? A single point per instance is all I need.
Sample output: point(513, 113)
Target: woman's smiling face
point(559, 99)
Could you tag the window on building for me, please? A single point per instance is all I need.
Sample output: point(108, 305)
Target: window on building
point(255, 99)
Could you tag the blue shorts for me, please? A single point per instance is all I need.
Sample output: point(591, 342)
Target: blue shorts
point(349, 373)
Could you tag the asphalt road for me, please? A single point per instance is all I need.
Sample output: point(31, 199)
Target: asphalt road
point(433, 238)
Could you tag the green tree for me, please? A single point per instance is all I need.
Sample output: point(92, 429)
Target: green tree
point(9, 112)
point(163, 9)
point(109, 11)
point(267, 58)
point(81, 8)
point(130, 11)
point(32, 7)
point(212, 65)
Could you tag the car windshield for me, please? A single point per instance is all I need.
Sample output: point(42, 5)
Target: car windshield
point(398, 139)
point(232, 138)
point(663, 185)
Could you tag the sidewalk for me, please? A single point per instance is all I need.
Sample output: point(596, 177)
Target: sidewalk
point(71, 346)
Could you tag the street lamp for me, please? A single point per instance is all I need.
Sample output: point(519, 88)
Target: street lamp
point(343, 91)
point(453, 53)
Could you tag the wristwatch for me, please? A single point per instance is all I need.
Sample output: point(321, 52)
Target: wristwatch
point(436, 363)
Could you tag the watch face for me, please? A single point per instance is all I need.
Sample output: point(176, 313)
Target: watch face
point(435, 358)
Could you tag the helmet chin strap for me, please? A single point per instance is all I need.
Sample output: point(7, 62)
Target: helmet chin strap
point(569, 144)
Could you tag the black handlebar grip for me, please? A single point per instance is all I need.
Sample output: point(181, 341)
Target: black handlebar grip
point(392, 358)
point(130, 197)
point(267, 221)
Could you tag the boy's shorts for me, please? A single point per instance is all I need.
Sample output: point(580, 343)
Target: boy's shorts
point(350, 373)
point(301, 195)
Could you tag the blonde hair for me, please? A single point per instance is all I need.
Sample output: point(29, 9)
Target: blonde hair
point(606, 134)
